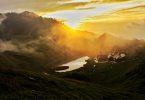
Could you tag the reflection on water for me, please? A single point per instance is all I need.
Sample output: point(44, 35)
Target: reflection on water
point(75, 64)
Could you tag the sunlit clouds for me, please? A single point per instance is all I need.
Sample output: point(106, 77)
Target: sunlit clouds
point(82, 13)
point(95, 12)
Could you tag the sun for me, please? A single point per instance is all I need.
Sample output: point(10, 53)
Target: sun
point(73, 24)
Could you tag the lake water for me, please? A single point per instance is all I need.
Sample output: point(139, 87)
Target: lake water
point(75, 64)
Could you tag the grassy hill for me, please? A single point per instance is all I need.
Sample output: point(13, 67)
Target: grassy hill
point(106, 81)
point(22, 85)
point(23, 61)
point(30, 45)
point(31, 61)
point(125, 76)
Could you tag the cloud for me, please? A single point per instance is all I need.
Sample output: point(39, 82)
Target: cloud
point(48, 5)
point(65, 6)
point(85, 8)
point(94, 12)
point(41, 5)
point(119, 11)
point(107, 1)
point(76, 12)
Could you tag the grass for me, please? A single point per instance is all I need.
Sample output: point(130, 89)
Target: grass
point(106, 81)
point(22, 85)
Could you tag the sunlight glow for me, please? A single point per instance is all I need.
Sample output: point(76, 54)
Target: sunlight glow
point(74, 18)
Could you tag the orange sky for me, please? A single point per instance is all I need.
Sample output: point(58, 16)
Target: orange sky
point(120, 17)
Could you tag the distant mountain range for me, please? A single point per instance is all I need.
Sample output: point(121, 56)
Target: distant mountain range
point(52, 41)
point(31, 46)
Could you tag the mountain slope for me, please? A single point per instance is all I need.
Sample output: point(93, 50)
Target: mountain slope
point(31, 45)
point(125, 76)
point(28, 85)
point(28, 34)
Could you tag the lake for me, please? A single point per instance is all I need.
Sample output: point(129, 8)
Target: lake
point(75, 64)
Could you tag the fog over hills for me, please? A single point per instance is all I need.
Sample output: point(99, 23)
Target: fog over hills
point(32, 46)
point(29, 34)
point(53, 42)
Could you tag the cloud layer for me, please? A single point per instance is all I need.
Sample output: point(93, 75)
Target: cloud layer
point(48, 5)
point(77, 12)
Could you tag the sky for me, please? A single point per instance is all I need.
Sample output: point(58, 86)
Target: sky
point(125, 18)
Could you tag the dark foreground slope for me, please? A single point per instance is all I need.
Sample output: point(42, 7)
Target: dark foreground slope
point(20, 85)
point(106, 81)
point(125, 76)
